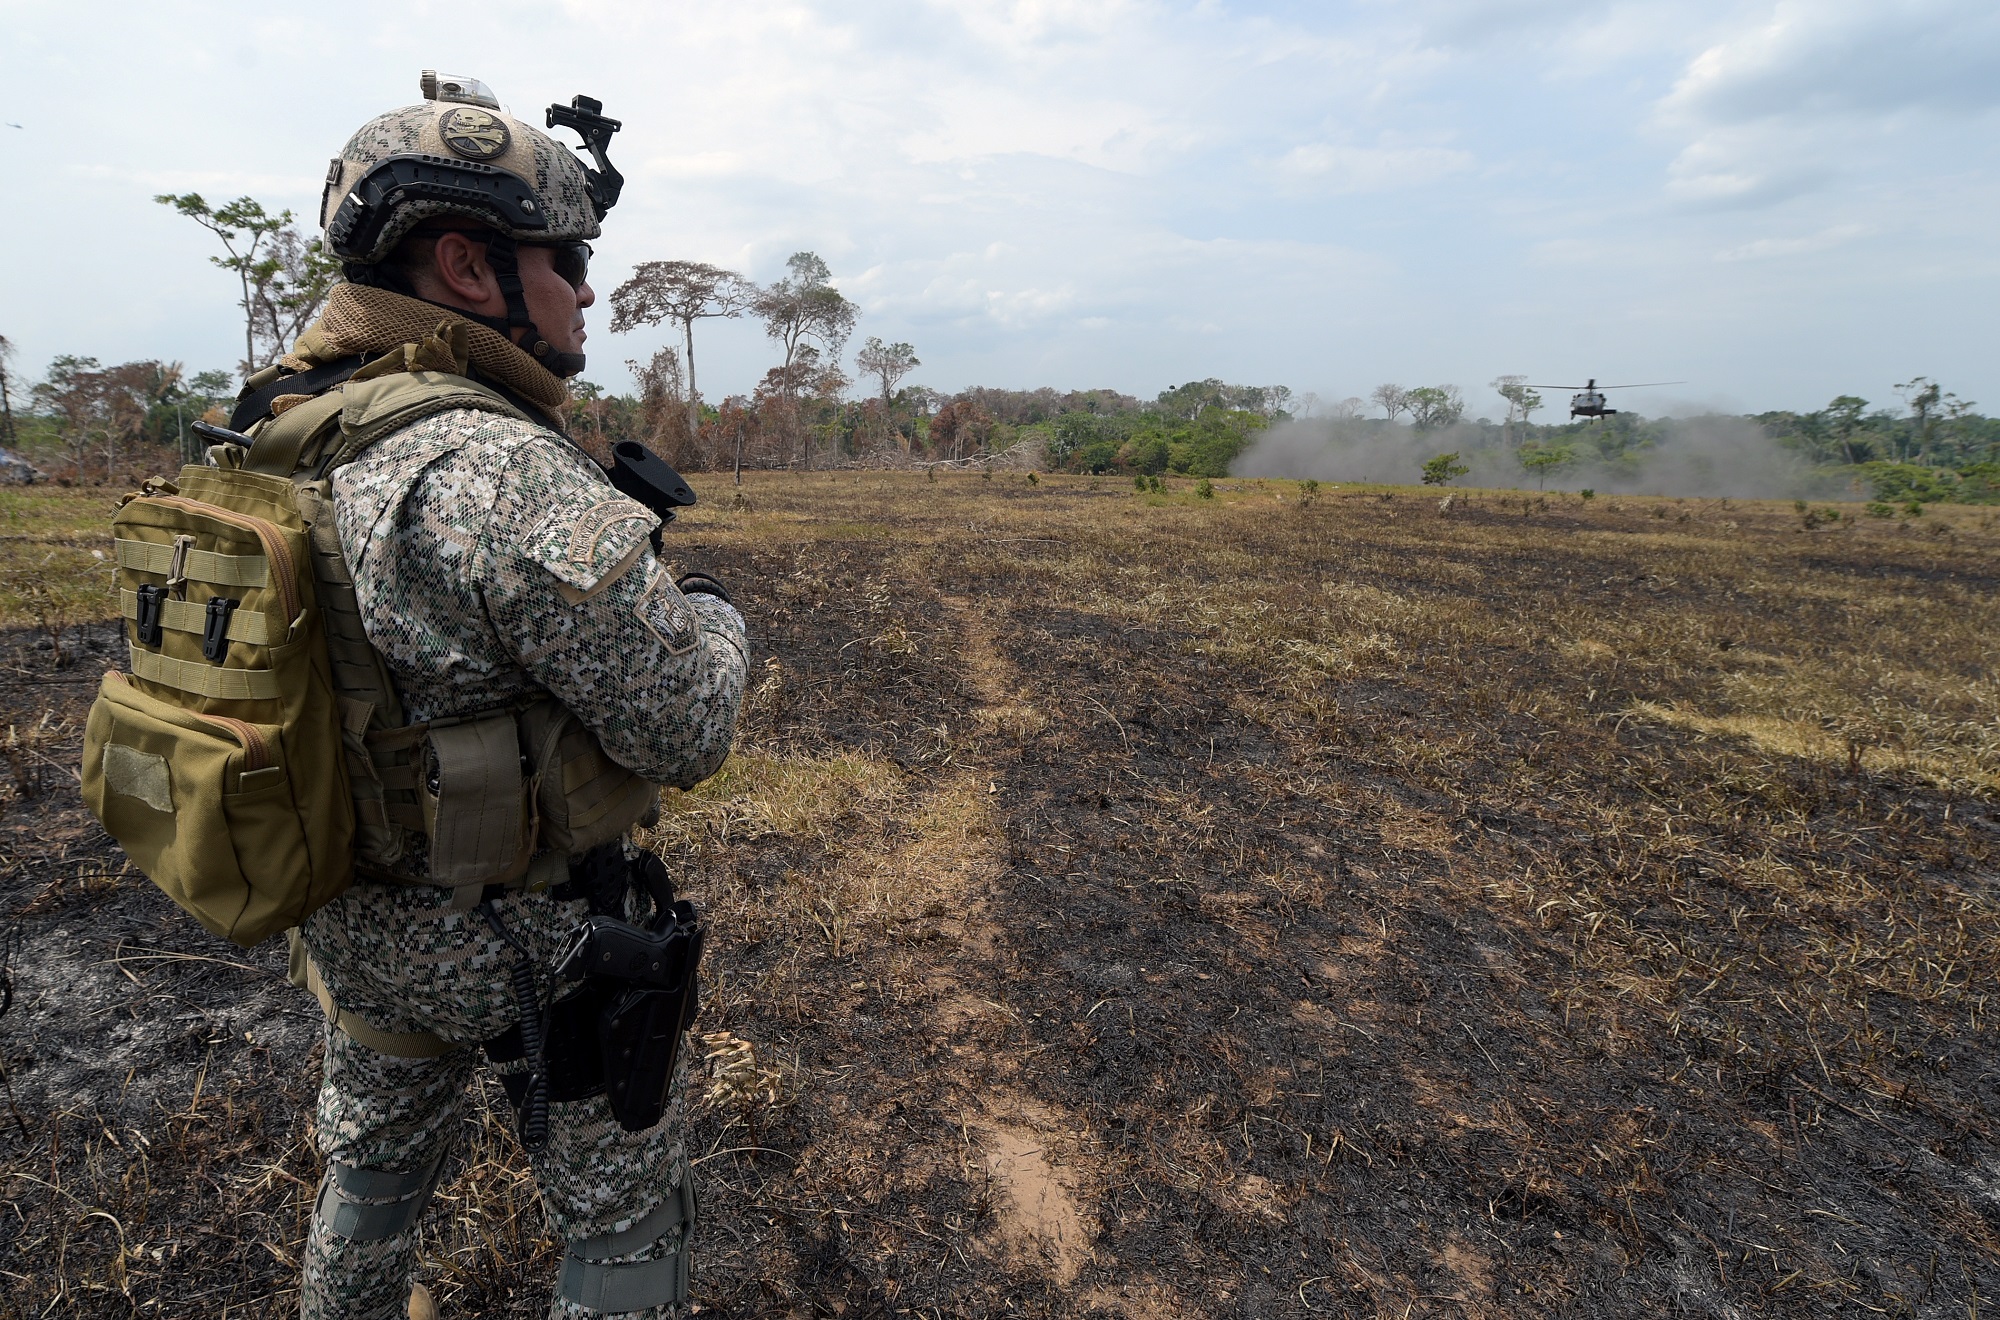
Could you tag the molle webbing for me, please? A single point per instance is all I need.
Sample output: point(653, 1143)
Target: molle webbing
point(252, 627)
point(384, 816)
point(305, 442)
point(215, 763)
point(201, 565)
point(444, 802)
point(205, 680)
point(584, 797)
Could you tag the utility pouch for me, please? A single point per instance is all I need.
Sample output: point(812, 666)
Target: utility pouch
point(585, 798)
point(476, 807)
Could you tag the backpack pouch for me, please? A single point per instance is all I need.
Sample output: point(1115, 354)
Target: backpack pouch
point(202, 804)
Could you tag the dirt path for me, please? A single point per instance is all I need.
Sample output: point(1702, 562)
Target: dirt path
point(1039, 1204)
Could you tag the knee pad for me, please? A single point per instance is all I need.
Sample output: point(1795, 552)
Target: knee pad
point(368, 1205)
point(592, 1281)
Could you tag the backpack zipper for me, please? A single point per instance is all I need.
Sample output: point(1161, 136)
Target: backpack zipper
point(256, 751)
point(273, 539)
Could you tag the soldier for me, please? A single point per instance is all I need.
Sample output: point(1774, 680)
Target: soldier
point(498, 574)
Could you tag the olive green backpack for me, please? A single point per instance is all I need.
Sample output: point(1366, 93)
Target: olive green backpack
point(255, 754)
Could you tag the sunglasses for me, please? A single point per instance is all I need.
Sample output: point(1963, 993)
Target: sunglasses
point(570, 259)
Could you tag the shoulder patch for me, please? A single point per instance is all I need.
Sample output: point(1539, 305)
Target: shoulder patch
point(571, 522)
point(600, 520)
point(668, 616)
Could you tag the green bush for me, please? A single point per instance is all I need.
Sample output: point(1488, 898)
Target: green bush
point(1911, 483)
point(1443, 470)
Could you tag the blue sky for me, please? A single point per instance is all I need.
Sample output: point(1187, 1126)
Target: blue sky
point(1776, 202)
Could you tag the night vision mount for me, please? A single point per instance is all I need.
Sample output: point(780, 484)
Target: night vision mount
point(586, 115)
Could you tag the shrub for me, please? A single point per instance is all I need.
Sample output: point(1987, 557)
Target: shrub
point(1443, 470)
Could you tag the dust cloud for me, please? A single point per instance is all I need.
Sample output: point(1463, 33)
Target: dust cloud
point(1713, 456)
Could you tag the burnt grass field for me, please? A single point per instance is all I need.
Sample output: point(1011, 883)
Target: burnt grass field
point(1140, 905)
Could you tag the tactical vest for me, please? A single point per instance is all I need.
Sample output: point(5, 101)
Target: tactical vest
point(284, 686)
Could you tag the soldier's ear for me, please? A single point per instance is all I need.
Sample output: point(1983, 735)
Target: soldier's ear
point(464, 277)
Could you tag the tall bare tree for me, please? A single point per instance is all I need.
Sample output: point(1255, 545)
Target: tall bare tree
point(888, 363)
point(682, 292)
point(6, 383)
point(1521, 402)
point(1925, 398)
point(1393, 400)
point(800, 307)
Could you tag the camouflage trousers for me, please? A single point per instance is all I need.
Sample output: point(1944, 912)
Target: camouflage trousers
point(403, 960)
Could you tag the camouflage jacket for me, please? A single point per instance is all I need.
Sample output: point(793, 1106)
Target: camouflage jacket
point(493, 559)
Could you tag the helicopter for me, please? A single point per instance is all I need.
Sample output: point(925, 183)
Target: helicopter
point(1589, 400)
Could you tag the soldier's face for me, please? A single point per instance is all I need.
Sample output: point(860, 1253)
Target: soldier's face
point(556, 305)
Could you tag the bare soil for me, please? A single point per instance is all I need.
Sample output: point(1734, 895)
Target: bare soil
point(1150, 906)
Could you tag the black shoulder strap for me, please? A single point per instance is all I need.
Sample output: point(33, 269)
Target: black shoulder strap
point(254, 407)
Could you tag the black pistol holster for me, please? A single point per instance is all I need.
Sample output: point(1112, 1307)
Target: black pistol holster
point(618, 1032)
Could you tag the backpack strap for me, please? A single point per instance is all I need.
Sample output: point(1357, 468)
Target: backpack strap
point(254, 404)
point(307, 441)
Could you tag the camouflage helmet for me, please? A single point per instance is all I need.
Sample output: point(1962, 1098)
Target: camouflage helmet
point(459, 153)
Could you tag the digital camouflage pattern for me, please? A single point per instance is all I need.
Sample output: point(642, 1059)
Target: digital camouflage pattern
point(405, 961)
point(493, 560)
point(544, 164)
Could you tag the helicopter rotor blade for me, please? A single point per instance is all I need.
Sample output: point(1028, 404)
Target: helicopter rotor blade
point(1643, 385)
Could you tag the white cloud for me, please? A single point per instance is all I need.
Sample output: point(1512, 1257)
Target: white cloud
point(1813, 91)
point(1824, 57)
point(1766, 248)
point(1371, 169)
point(1121, 192)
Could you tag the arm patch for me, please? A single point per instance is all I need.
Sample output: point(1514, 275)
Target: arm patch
point(668, 616)
point(584, 532)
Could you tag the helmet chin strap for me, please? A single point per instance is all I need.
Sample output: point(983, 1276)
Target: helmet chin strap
point(504, 256)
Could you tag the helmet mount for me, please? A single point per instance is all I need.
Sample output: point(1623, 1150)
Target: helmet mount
point(586, 115)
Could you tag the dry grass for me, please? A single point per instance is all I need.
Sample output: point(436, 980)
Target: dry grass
point(1151, 906)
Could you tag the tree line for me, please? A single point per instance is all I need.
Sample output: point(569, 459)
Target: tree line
point(1936, 447)
point(814, 406)
point(84, 420)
